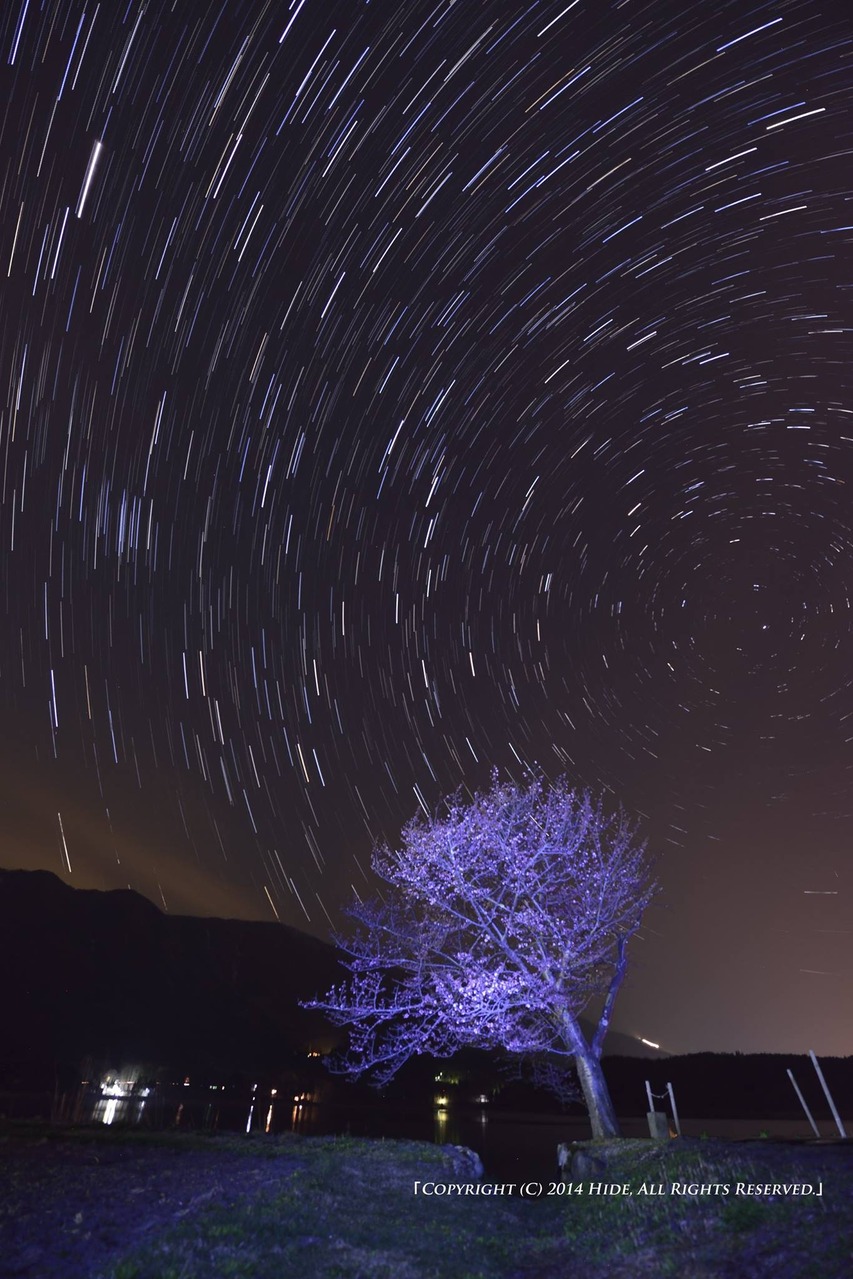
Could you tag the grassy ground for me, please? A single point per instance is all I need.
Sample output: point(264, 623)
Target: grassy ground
point(689, 1213)
point(350, 1211)
point(343, 1208)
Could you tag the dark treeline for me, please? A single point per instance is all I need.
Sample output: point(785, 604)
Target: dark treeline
point(732, 1085)
point(706, 1085)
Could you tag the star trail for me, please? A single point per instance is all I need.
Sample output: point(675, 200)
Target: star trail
point(390, 391)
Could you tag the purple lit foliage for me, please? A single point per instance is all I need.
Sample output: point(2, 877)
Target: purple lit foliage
point(503, 919)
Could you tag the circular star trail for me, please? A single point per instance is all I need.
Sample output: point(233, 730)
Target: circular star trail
point(394, 391)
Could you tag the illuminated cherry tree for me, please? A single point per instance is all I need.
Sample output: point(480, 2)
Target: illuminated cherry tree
point(500, 922)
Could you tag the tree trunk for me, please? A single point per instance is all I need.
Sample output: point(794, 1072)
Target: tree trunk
point(596, 1094)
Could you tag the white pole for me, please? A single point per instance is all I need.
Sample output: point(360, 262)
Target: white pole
point(803, 1103)
point(839, 1125)
point(674, 1110)
point(649, 1095)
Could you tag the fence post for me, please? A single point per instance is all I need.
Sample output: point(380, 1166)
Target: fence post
point(674, 1109)
point(657, 1120)
point(839, 1125)
point(803, 1103)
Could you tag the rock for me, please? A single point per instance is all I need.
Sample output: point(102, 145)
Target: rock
point(590, 1160)
point(586, 1165)
point(467, 1165)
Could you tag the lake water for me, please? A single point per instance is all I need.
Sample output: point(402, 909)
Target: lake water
point(513, 1146)
point(521, 1146)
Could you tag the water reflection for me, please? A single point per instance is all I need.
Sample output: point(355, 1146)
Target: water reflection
point(115, 1110)
point(252, 1108)
point(121, 1098)
point(303, 1118)
point(268, 1125)
point(509, 1144)
point(440, 1121)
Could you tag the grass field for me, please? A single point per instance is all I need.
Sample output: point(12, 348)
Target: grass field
point(141, 1206)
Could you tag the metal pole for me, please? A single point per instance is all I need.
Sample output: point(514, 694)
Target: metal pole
point(839, 1125)
point(803, 1103)
point(649, 1095)
point(674, 1109)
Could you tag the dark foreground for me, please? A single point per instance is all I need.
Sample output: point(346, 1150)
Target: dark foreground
point(102, 1204)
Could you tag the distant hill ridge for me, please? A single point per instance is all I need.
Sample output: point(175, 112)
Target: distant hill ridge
point(109, 975)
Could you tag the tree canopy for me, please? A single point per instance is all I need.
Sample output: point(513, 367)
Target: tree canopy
point(500, 921)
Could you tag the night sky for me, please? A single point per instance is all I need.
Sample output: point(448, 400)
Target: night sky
point(394, 390)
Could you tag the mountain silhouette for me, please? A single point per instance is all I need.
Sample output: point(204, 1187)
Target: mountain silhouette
point(108, 975)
